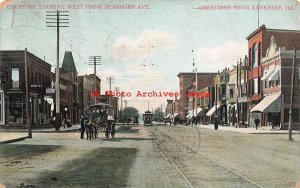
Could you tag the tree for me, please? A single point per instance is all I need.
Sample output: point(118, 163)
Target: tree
point(158, 114)
point(129, 112)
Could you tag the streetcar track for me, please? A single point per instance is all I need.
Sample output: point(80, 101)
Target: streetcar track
point(204, 156)
point(173, 163)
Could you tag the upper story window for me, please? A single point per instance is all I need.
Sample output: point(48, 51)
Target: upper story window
point(231, 93)
point(255, 86)
point(15, 77)
point(254, 56)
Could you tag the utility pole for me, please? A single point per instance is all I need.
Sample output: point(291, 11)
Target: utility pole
point(110, 80)
point(95, 60)
point(196, 89)
point(125, 101)
point(28, 121)
point(292, 97)
point(57, 19)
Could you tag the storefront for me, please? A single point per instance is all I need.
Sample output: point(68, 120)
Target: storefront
point(2, 107)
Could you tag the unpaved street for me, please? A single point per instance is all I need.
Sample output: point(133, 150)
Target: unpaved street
point(158, 156)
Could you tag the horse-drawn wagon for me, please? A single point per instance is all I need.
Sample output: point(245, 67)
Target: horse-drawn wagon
point(100, 116)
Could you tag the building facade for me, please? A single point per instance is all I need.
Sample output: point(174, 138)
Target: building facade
point(258, 43)
point(13, 89)
point(86, 88)
point(277, 68)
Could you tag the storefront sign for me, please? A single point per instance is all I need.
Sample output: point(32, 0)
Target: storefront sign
point(50, 90)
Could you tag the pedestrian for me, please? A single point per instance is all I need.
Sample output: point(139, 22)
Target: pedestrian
point(53, 122)
point(216, 122)
point(256, 122)
point(64, 123)
point(82, 128)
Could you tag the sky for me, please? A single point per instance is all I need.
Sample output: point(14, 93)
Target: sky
point(144, 45)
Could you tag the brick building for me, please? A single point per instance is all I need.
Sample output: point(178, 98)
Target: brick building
point(86, 87)
point(258, 43)
point(276, 87)
point(13, 89)
point(187, 82)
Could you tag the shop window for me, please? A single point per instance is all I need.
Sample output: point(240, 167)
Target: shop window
point(15, 77)
point(15, 110)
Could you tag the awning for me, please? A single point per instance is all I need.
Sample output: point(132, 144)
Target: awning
point(275, 75)
point(267, 74)
point(199, 110)
point(212, 110)
point(268, 104)
point(231, 106)
point(49, 100)
point(190, 114)
point(174, 115)
point(168, 116)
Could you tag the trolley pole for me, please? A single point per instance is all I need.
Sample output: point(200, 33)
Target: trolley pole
point(95, 60)
point(57, 20)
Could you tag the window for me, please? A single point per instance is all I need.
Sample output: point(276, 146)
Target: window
point(254, 56)
point(231, 93)
point(15, 77)
point(255, 86)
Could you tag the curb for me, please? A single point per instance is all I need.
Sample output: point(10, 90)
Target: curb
point(14, 140)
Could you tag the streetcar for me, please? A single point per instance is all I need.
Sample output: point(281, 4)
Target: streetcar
point(147, 118)
point(100, 115)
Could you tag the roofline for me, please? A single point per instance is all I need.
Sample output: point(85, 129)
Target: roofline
point(22, 52)
point(263, 27)
point(193, 73)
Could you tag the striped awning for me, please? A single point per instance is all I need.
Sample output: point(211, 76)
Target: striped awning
point(270, 104)
point(212, 110)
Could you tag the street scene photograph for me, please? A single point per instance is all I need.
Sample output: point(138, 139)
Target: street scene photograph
point(149, 93)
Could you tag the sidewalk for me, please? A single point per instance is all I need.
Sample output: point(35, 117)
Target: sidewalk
point(250, 130)
point(15, 135)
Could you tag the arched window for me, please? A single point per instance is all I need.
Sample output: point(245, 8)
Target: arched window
point(254, 56)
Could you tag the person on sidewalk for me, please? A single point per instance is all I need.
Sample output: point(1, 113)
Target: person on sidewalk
point(216, 122)
point(82, 128)
point(256, 122)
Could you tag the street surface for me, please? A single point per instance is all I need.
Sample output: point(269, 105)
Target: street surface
point(153, 156)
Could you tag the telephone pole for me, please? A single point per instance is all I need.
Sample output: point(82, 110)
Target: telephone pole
point(110, 80)
point(57, 19)
point(28, 121)
point(95, 60)
point(292, 97)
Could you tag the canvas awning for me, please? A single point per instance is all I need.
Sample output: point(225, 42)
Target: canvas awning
point(190, 114)
point(267, 74)
point(199, 110)
point(275, 75)
point(212, 110)
point(269, 104)
point(174, 115)
point(168, 116)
